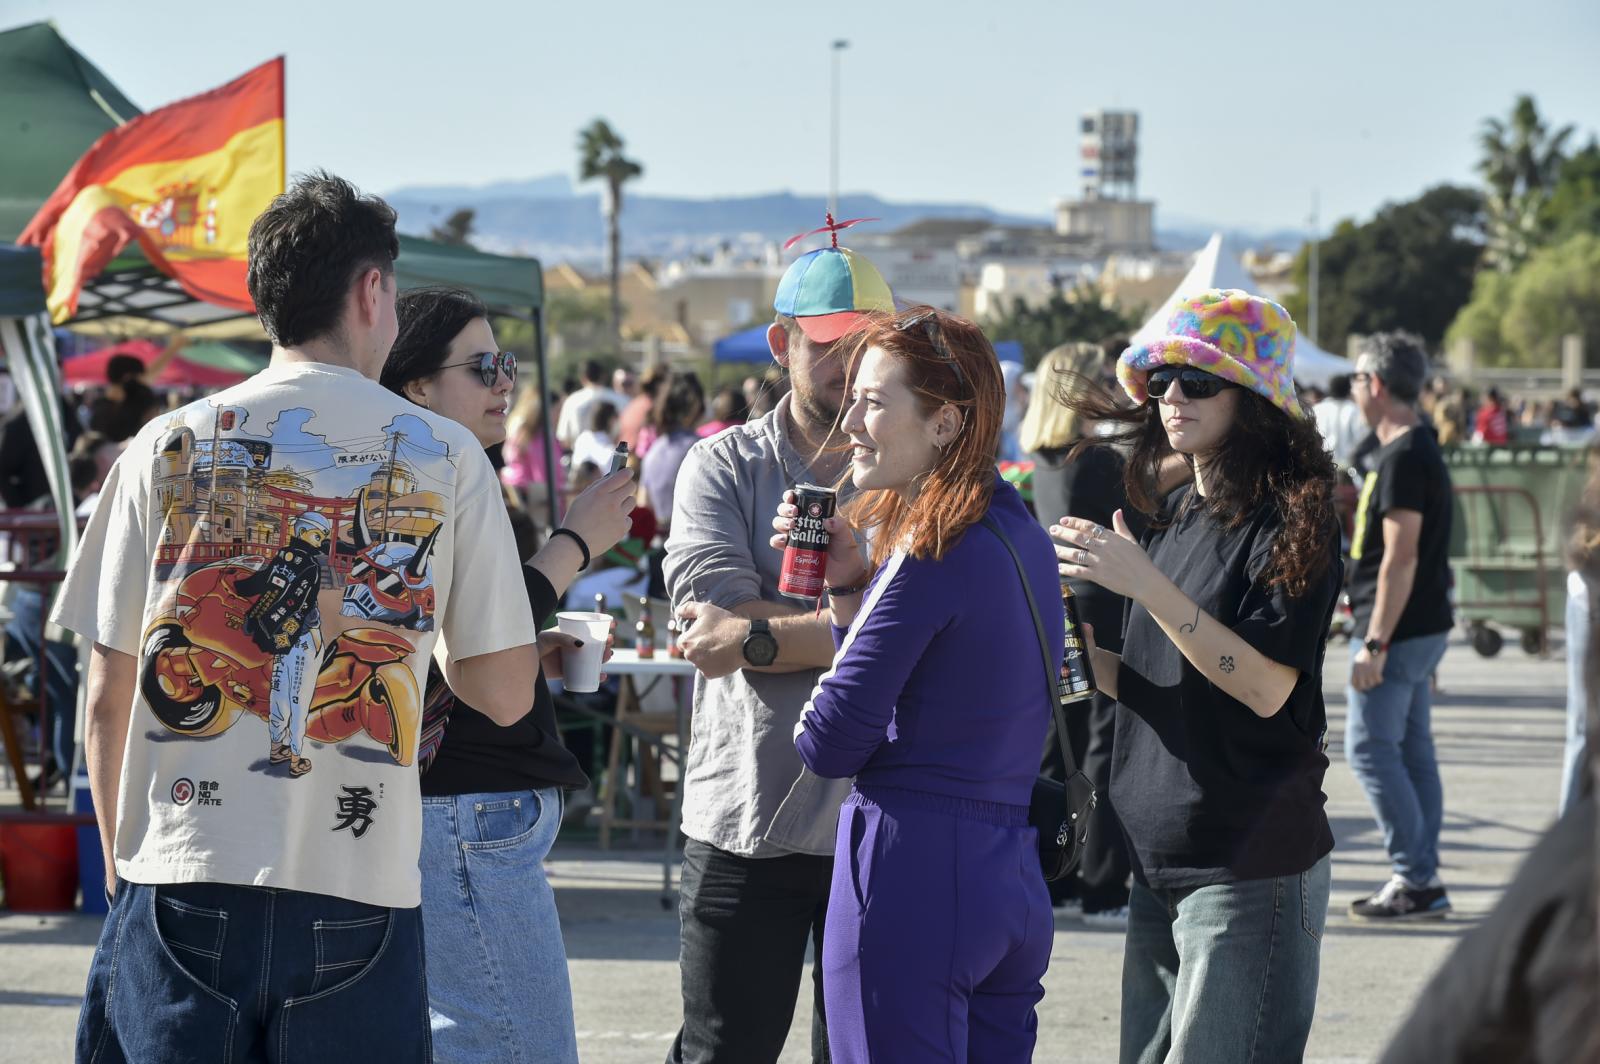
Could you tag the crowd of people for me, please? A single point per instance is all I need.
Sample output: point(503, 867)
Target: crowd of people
point(369, 880)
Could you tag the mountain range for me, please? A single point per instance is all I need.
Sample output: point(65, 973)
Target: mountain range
point(548, 218)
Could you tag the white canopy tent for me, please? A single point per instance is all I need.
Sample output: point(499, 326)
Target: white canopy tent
point(1218, 266)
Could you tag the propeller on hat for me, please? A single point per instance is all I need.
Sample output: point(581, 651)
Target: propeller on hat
point(832, 229)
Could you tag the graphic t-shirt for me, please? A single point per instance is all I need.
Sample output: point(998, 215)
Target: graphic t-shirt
point(1207, 791)
point(1408, 474)
point(280, 558)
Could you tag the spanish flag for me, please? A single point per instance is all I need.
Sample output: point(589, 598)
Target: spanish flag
point(185, 181)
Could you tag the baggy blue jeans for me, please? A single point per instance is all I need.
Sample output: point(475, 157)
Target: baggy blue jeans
point(498, 989)
point(1388, 740)
point(208, 972)
point(1223, 974)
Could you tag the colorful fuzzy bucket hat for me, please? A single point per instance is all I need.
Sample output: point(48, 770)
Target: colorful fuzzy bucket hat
point(1228, 333)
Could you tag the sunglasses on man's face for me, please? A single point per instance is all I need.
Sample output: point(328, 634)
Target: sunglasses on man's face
point(490, 365)
point(1196, 383)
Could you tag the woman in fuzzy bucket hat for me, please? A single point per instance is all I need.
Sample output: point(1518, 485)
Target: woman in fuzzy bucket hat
point(1218, 773)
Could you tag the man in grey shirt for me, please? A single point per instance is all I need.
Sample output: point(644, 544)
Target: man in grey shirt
point(758, 862)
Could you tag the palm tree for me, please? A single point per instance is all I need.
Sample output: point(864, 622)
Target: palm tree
point(1521, 161)
point(600, 155)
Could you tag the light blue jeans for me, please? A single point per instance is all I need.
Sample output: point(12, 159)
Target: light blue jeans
point(1578, 635)
point(497, 969)
point(1225, 974)
point(1388, 740)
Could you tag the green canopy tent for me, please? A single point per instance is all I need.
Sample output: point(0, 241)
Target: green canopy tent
point(54, 103)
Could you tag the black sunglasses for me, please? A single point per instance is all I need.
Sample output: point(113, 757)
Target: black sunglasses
point(1197, 383)
point(490, 365)
point(929, 324)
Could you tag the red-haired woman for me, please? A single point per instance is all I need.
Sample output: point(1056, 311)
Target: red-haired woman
point(939, 926)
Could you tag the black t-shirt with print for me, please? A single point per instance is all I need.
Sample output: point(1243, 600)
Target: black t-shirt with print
point(478, 756)
point(1407, 474)
point(1207, 791)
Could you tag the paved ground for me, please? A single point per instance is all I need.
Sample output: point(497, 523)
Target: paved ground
point(1499, 729)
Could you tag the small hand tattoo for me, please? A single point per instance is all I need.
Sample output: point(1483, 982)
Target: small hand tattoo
point(1226, 664)
point(1192, 625)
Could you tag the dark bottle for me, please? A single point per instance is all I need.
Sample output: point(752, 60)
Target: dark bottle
point(673, 649)
point(1077, 675)
point(644, 632)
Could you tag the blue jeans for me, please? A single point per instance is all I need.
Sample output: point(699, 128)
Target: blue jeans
point(497, 969)
point(208, 972)
point(1573, 768)
point(1388, 740)
point(1224, 974)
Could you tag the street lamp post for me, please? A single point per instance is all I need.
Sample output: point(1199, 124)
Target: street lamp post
point(833, 153)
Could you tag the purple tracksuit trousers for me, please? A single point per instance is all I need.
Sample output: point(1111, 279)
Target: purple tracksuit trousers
point(939, 931)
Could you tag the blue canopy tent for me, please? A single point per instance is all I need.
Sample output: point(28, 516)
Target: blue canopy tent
point(748, 345)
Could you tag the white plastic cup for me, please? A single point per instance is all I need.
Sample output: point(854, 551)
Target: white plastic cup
point(580, 667)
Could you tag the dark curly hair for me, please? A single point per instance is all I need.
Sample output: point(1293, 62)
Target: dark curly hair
point(1267, 456)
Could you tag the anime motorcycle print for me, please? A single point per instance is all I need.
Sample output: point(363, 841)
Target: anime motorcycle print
point(201, 668)
point(391, 581)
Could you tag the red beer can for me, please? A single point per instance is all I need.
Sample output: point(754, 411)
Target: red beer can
point(805, 559)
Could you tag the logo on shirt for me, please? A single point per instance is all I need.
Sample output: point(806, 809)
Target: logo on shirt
point(208, 793)
point(356, 806)
point(183, 791)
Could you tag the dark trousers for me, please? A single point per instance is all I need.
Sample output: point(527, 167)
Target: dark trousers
point(746, 926)
point(1101, 880)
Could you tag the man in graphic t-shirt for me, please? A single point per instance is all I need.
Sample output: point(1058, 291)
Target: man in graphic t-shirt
point(251, 908)
point(1400, 592)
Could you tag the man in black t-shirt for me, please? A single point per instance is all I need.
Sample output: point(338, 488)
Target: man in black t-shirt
point(1400, 593)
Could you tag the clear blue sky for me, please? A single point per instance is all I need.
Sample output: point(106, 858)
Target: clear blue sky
point(1245, 108)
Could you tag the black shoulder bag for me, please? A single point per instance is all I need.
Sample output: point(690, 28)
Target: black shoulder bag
point(1059, 812)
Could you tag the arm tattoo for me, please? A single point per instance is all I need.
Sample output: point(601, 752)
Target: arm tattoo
point(1226, 664)
point(1192, 625)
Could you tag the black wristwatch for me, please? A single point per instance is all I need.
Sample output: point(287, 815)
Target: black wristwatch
point(760, 648)
point(1374, 647)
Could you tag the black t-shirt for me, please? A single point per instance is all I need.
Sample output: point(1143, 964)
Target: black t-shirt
point(1207, 791)
point(1407, 474)
point(1089, 486)
point(1521, 986)
point(478, 756)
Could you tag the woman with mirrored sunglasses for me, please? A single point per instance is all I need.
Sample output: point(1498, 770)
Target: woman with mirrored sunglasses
point(1218, 766)
point(492, 796)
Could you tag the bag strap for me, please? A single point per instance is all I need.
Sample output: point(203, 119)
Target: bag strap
point(1050, 681)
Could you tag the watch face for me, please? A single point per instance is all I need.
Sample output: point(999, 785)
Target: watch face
point(760, 648)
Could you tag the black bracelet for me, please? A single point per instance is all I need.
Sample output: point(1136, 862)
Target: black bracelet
point(853, 589)
point(582, 546)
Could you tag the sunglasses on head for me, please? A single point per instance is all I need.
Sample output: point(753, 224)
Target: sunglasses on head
point(490, 365)
point(928, 325)
point(1196, 383)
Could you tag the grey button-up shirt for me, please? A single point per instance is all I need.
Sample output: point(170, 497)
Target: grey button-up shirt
point(745, 790)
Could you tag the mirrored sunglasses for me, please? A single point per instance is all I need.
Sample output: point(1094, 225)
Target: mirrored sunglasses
point(489, 365)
